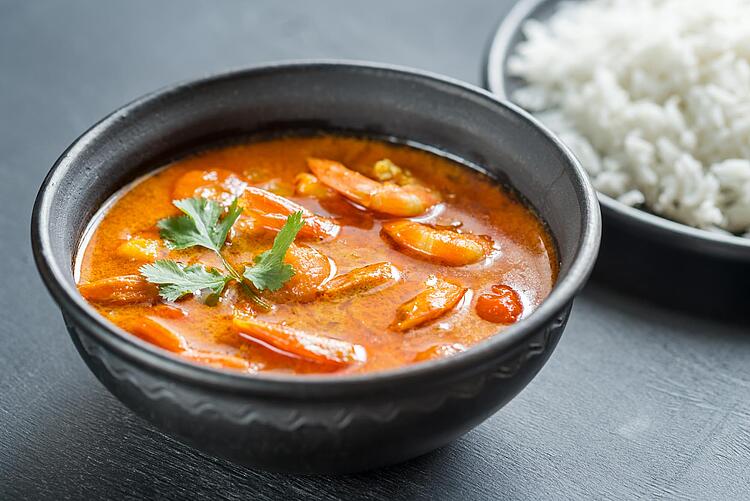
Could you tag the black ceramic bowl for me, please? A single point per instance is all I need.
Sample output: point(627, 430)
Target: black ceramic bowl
point(645, 254)
point(316, 423)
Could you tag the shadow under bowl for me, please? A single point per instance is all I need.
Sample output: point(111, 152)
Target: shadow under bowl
point(316, 424)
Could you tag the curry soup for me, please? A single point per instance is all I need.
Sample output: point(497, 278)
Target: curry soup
point(402, 256)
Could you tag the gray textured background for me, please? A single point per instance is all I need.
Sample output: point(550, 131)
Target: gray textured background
point(637, 402)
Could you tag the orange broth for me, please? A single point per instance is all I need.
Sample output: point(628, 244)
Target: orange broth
point(523, 258)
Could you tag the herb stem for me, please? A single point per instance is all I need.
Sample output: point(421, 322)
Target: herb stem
point(241, 280)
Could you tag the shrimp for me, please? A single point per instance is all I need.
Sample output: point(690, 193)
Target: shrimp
point(270, 211)
point(156, 332)
point(444, 246)
point(311, 269)
point(436, 300)
point(360, 280)
point(127, 289)
point(220, 185)
point(346, 214)
point(311, 347)
point(385, 198)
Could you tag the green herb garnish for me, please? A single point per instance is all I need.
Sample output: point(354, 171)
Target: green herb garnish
point(270, 272)
point(201, 225)
point(176, 280)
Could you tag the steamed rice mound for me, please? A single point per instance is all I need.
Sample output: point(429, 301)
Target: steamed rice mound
point(653, 96)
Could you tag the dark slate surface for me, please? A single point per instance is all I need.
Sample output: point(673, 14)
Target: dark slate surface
point(637, 402)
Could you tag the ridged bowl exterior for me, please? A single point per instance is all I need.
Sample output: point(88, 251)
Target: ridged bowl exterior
point(308, 436)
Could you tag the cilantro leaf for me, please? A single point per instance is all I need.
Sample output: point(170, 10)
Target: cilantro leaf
point(270, 272)
point(176, 280)
point(268, 275)
point(200, 225)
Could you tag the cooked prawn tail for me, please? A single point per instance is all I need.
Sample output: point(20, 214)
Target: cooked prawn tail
point(310, 347)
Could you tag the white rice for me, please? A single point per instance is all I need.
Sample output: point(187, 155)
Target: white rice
point(653, 96)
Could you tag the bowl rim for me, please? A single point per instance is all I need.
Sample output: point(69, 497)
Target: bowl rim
point(72, 303)
point(494, 78)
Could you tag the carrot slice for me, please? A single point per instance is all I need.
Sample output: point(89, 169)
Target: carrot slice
point(127, 289)
point(311, 347)
point(216, 360)
point(359, 280)
point(436, 300)
point(155, 332)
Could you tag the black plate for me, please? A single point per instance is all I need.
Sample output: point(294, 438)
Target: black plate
point(317, 423)
point(643, 253)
